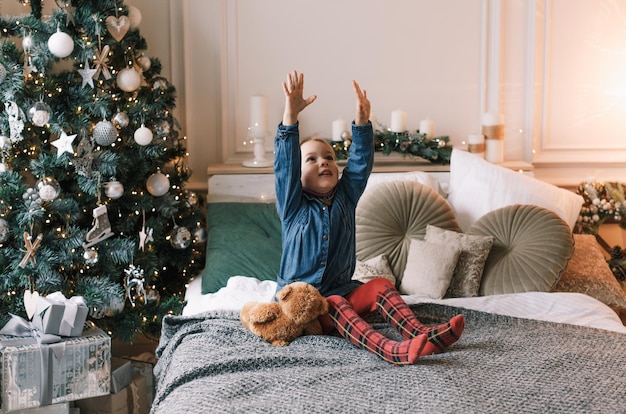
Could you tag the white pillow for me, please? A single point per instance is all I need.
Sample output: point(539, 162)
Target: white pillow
point(478, 187)
point(429, 269)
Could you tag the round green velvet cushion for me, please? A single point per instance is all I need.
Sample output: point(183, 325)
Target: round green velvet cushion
point(531, 249)
point(392, 213)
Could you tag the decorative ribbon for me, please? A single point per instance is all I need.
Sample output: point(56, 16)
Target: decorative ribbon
point(493, 131)
point(70, 310)
point(18, 326)
point(31, 249)
point(101, 61)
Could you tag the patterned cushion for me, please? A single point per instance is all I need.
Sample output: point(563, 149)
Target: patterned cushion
point(373, 268)
point(390, 214)
point(473, 252)
point(532, 246)
point(588, 272)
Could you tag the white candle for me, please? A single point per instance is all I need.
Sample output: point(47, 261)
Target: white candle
point(492, 118)
point(427, 127)
point(494, 150)
point(258, 116)
point(398, 121)
point(339, 127)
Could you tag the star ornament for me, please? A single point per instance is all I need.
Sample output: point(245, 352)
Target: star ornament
point(64, 144)
point(87, 74)
point(145, 235)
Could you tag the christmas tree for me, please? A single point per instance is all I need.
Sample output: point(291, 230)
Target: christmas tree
point(93, 170)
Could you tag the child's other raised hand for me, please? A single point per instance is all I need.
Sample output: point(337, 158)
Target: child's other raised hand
point(362, 105)
point(294, 101)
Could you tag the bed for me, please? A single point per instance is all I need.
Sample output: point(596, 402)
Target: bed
point(542, 333)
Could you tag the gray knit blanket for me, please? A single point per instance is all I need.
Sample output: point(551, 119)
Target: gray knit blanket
point(211, 364)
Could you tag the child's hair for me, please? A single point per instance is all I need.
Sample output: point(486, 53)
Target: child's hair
point(322, 140)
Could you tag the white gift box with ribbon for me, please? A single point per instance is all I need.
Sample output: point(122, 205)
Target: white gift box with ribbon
point(57, 315)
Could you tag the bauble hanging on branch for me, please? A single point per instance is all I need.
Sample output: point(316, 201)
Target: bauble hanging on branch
point(39, 114)
point(158, 184)
point(104, 133)
point(128, 80)
point(143, 135)
point(61, 44)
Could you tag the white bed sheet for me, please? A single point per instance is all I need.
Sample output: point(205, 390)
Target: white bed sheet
point(570, 308)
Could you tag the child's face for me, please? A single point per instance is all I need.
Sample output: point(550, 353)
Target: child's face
point(319, 168)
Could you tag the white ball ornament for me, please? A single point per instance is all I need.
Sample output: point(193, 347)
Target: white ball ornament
point(134, 15)
point(114, 189)
point(180, 237)
point(104, 133)
point(143, 135)
point(128, 80)
point(5, 142)
point(61, 44)
point(158, 184)
point(144, 62)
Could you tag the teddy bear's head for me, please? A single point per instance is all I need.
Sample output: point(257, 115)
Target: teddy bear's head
point(301, 302)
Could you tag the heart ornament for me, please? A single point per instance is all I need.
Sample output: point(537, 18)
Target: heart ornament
point(30, 303)
point(118, 27)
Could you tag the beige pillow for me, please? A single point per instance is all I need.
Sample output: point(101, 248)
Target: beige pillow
point(390, 214)
point(429, 269)
point(531, 248)
point(373, 268)
point(469, 267)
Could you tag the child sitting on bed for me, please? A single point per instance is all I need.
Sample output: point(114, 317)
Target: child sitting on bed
point(317, 212)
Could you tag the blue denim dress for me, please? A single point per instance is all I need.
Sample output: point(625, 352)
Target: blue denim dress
point(318, 241)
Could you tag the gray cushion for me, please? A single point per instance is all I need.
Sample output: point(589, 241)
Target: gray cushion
point(532, 247)
point(390, 214)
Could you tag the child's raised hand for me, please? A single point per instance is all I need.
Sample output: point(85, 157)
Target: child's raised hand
point(362, 105)
point(294, 101)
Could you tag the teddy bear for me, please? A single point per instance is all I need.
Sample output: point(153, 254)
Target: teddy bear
point(294, 314)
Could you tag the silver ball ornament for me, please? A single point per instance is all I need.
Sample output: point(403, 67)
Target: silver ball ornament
point(4, 230)
point(180, 237)
point(90, 256)
point(144, 62)
point(158, 184)
point(113, 189)
point(104, 133)
point(39, 114)
point(128, 80)
point(160, 83)
point(200, 235)
point(48, 188)
point(192, 199)
point(121, 120)
point(345, 135)
point(61, 44)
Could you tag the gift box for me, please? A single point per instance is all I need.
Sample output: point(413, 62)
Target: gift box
point(129, 400)
point(121, 374)
point(57, 315)
point(62, 408)
point(37, 373)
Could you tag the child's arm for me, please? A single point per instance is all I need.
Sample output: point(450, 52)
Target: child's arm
point(362, 105)
point(294, 102)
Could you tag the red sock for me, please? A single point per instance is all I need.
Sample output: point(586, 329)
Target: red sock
point(395, 311)
point(352, 327)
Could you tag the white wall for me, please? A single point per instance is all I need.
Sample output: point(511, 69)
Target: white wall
point(554, 68)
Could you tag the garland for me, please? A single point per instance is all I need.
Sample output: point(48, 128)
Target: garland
point(604, 202)
point(436, 150)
